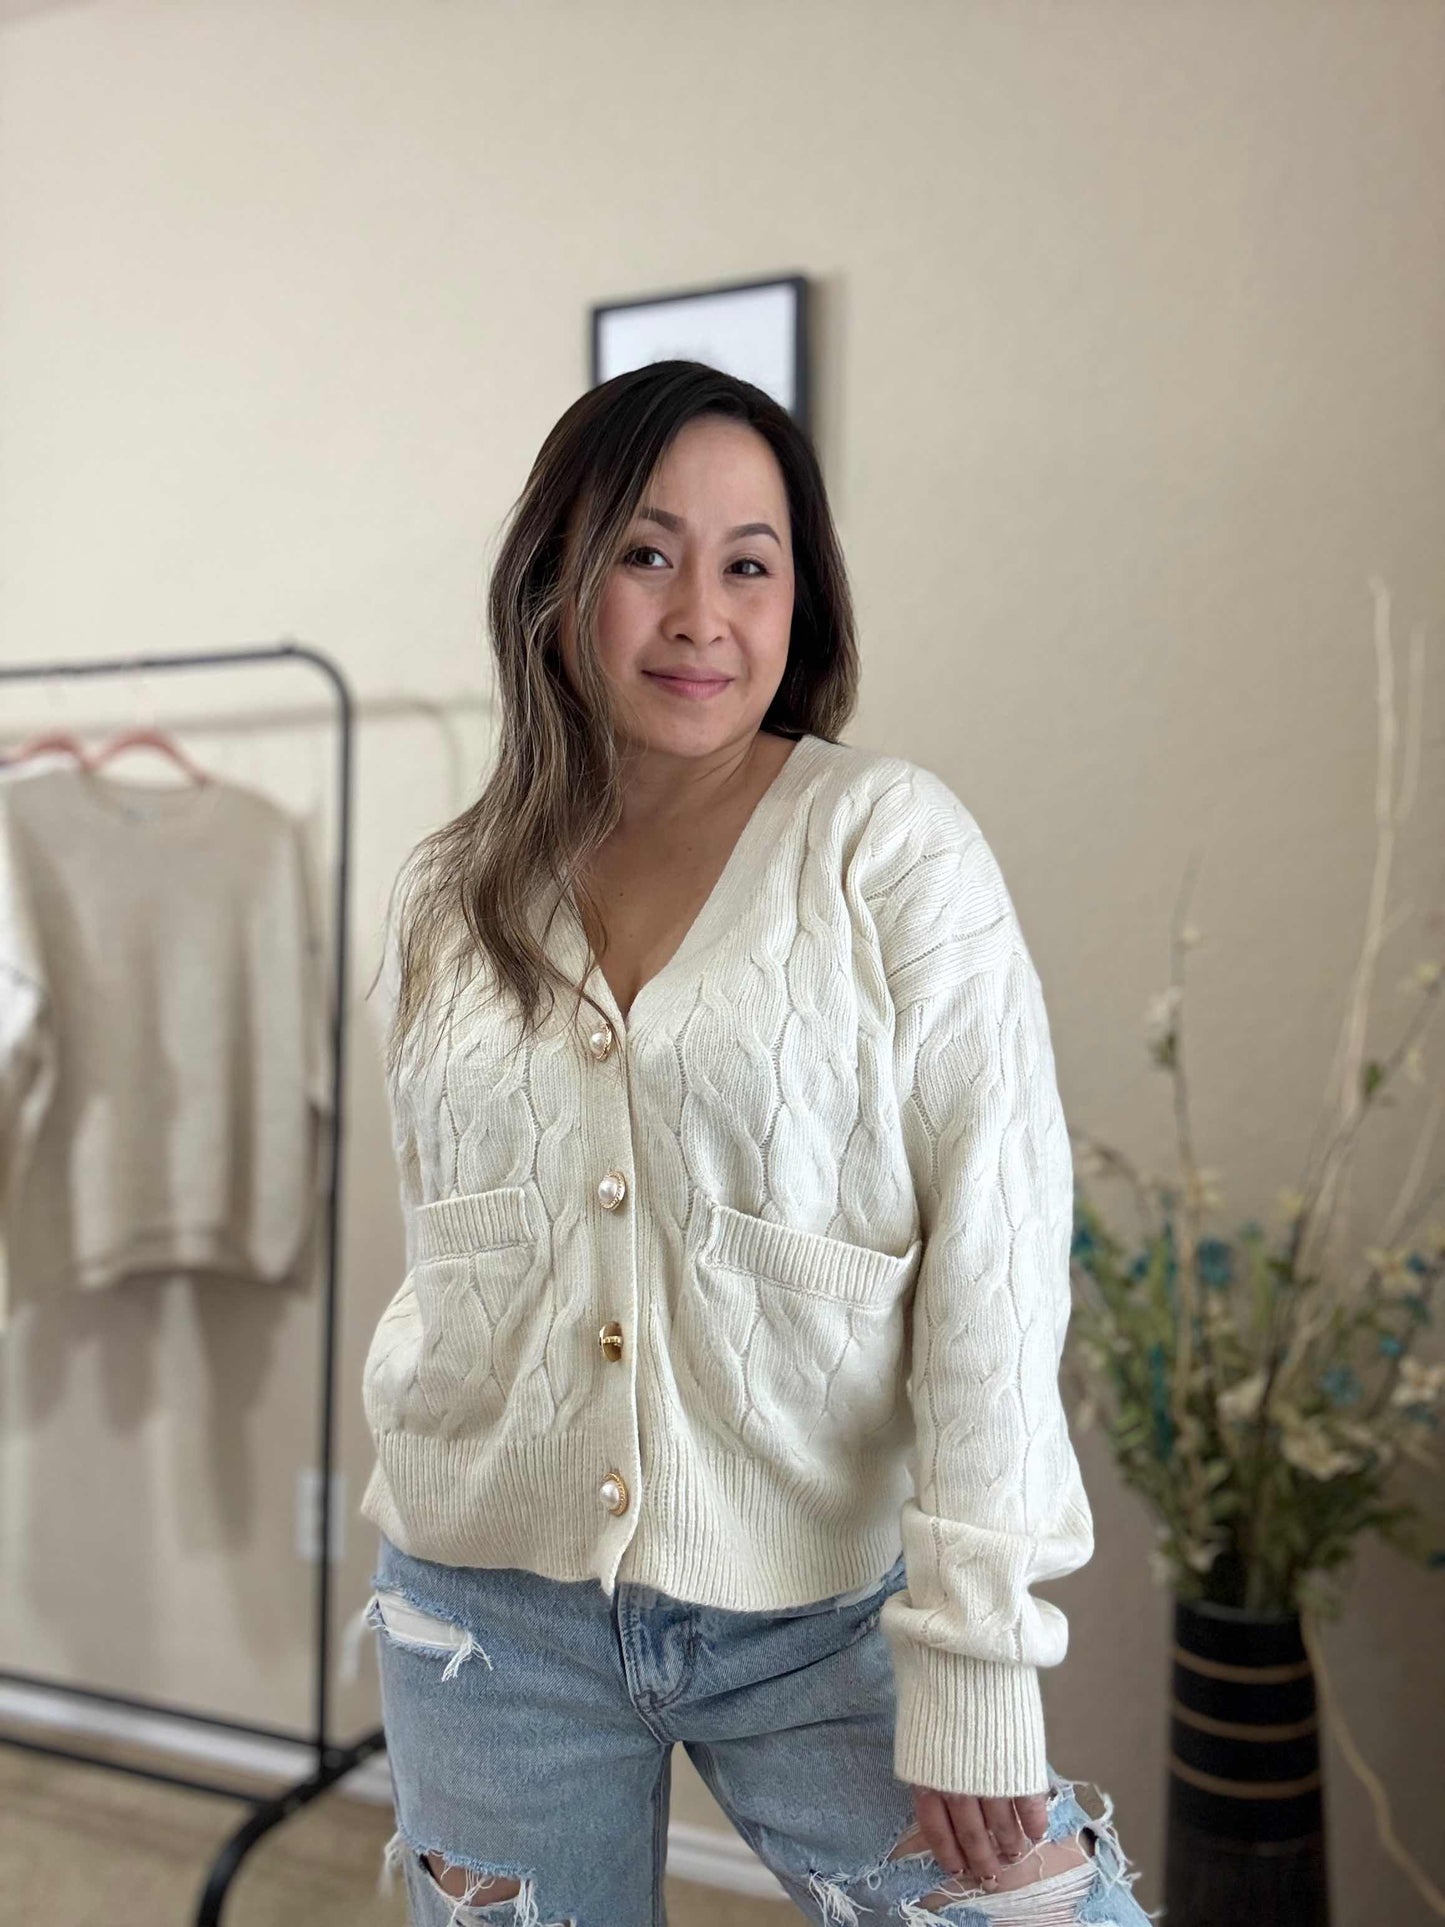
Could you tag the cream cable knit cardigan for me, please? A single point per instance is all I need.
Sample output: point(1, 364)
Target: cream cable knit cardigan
point(737, 1295)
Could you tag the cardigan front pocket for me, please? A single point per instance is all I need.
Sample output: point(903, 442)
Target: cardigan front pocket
point(805, 1260)
point(476, 1221)
point(797, 1338)
point(461, 1329)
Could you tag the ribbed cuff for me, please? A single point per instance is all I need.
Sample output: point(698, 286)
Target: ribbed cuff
point(968, 1725)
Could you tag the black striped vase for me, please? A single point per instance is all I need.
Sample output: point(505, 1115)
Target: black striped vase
point(1246, 1807)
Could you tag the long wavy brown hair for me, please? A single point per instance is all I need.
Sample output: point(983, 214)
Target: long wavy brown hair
point(554, 793)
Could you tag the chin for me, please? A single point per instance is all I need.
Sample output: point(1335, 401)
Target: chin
point(697, 735)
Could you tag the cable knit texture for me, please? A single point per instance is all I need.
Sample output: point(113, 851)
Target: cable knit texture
point(839, 1264)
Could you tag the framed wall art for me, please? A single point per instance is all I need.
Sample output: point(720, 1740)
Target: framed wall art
point(757, 330)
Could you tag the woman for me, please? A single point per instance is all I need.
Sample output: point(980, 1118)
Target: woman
point(730, 1267)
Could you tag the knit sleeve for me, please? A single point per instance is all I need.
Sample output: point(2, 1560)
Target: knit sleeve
point(403, 1130)
point(27, 1041)
point(998, 1503)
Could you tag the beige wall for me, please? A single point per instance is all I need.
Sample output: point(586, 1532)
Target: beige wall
point(1129, 375)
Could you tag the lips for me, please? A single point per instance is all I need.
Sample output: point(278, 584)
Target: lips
point(682, 675)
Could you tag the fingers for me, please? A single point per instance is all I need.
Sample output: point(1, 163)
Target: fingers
point(1003, 1823)
point(1033, 1812)
point(971, 1828)
point(936, 1825)
point(979, 1837)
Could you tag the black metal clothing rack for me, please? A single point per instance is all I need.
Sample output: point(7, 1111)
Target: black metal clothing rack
point(332, 1761)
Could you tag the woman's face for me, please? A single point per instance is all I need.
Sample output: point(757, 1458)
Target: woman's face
point(693, 628)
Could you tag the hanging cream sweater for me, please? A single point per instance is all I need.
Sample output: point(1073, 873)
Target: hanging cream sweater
point(164, 1057)
point(736, 1296)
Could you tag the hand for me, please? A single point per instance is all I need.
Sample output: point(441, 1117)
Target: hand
point(981, 1837)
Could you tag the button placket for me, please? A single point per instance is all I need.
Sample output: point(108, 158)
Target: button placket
point(603, 1042)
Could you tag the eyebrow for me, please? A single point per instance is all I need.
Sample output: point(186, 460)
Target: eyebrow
point(647, 513)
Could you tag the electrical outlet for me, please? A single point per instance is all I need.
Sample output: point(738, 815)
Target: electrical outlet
point(308, 1515)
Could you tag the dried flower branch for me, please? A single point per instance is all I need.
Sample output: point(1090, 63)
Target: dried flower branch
point(1262, 1389)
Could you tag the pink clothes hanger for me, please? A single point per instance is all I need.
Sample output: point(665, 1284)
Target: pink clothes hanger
point(150, 739)
point(54, 739)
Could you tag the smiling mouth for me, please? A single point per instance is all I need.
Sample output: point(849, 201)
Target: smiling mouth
point(697, 682)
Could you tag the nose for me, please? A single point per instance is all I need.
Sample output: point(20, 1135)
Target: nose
point(696, 611)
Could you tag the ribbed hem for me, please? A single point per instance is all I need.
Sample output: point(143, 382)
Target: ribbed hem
point(967, 1725)
point(716, 1529)
point(172, 1248)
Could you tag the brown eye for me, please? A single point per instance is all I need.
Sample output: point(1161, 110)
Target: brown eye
point(646, 548)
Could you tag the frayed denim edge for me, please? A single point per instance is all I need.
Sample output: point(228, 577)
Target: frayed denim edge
point(523, 1903)
point(1111, 1863)
point(469, 1646)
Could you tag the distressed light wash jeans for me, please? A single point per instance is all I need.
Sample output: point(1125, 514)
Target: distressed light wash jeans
point(530, 1724)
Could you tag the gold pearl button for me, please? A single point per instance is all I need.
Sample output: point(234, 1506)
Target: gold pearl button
point(613, 1492)
point(612, 1190)
point(610, 1339)
point(599, 1041)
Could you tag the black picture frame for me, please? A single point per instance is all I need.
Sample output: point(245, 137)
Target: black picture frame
point(758, 330)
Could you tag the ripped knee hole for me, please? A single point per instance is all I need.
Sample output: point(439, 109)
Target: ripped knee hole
point(1045, 1860)
point(458, 1883)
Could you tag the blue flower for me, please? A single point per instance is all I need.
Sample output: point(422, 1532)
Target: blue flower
point(1340, 1385)
point(1084, 1240)
point(1214, 1261)
point(1418, 1262)
point(1391, 1346)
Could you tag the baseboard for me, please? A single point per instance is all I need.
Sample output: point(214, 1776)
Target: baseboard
point(704, 1855)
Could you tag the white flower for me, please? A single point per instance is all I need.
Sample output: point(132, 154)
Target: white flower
point(1418, 1384)
point(1241, 1402)
point(1161, 1567)
point(1217, 1315)
point(1308, 1447)
point(1159, 1018)
point(1204, 1193)
point(1396, 1278)
point(1096, 1356)
point(1163, 1006)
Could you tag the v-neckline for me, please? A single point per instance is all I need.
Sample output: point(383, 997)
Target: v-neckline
point(721, 903)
